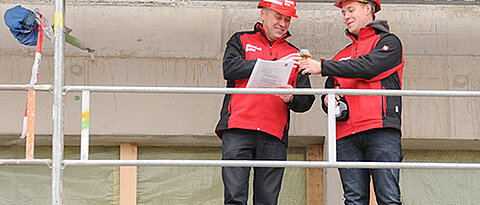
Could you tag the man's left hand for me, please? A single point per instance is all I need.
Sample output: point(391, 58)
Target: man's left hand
point(286, 98)
point(295, 57)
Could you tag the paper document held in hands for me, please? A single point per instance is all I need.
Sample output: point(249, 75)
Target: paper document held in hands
point(270, 74)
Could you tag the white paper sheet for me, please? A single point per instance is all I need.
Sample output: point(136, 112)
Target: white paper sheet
point(270, 74)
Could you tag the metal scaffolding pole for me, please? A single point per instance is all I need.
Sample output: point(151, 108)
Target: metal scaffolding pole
point(84, 141)
point(58, 106)
point(254, 163)
point(26, 87)
point(332, 135)
point(296, 91)
point(29, 162)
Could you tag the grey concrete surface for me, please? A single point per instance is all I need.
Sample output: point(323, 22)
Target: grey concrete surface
point(166, 44)
point(181, 43)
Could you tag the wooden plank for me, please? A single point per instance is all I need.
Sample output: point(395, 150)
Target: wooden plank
point(30, 142)
point(128, 175)
point(315, 195)
point(373, 199)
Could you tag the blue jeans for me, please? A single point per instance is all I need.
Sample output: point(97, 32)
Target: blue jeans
point(381, 145)
point(239, 144)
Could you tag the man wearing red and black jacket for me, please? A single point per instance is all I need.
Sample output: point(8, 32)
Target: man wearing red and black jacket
point(374, 60)
point(254, 126)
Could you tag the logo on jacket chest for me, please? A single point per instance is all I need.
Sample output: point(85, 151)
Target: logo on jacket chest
point(345, 58)
point(252, 48)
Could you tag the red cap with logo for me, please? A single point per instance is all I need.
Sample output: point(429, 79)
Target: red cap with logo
point(377, 2)
point(284, 7)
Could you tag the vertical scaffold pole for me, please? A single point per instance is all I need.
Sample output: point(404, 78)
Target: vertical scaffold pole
point(58, 104)
point(332, 136)
point(84, 142)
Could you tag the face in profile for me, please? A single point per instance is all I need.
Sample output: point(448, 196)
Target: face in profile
point(356, 15)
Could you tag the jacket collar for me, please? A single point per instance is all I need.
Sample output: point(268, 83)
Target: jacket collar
point(369, 29)
point(259, 27)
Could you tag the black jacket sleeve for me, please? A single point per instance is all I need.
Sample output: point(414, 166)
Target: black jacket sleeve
point(329, 83)
point(235, 67)
point(301, 103)
point(370, 66)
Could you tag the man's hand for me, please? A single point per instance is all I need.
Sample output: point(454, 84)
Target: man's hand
point(295, 57)
point(337, 98)
point(310, 66)
point(286, 98)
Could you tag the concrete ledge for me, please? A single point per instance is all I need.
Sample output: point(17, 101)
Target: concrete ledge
point(441, 144)
point(214, 141)
point(149, 140)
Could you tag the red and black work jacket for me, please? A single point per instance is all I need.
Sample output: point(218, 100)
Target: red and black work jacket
point(266, 113)
point(374, 60)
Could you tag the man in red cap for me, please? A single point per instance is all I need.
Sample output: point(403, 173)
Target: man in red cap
point(255, 127)
point(374, 60)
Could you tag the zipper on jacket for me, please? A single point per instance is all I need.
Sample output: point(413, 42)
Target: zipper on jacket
point(384, 104)
point(229, 108)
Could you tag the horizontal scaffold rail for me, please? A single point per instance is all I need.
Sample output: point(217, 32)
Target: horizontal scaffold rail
point(250, 163)
point(26, 87)
point(297, 91)
point(41, 162)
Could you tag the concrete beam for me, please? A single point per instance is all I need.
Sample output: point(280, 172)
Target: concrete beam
point(147, 140)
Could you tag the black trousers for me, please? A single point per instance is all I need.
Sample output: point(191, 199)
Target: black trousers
point(238, 144)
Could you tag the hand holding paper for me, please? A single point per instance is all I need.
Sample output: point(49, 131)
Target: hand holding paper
point(288, 97)
point(296, 57)
point(270, 74)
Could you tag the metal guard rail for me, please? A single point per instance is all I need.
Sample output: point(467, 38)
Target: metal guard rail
point(331, 146)
point(26, 87)
point(331, 163)
point(36, 162)
point(298, 164)
point(297, 91)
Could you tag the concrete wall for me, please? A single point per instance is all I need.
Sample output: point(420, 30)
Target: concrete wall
point(166, 44)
